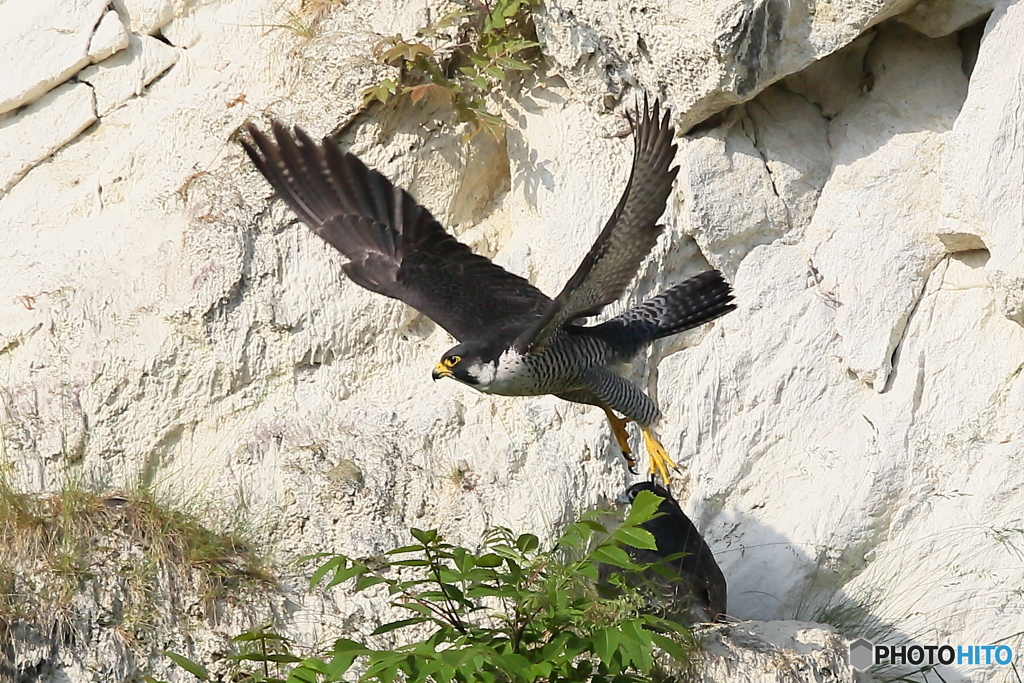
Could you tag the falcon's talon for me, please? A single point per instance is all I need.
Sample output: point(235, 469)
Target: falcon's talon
point(660, 461)
point(618, 425)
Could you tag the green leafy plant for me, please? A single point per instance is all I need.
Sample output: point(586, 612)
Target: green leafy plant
point(506, 613)
point(460, 58)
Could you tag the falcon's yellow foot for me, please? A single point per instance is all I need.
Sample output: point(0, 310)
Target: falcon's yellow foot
point(618, 425)
point(660, 462)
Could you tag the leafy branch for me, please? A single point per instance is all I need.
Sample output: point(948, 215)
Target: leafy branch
point(506, 613)
point(457, 60)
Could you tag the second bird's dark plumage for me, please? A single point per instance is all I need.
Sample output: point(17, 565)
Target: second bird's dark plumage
point(688, 586)
point(514, 340)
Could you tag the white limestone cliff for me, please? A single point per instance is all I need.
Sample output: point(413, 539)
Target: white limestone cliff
point(851, 433)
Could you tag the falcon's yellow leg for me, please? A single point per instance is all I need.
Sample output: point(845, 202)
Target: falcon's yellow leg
point(660, 462)
point(618, 425)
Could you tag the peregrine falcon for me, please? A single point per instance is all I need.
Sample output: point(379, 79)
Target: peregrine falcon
point(514, 340)
point(686, 583)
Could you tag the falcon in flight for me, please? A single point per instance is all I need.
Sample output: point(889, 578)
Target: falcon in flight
point(514, 340)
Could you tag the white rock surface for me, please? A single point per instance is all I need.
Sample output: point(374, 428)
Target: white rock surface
point(851, 432)
point(146, 17)
point(837, 81)
point(704, 55)
point(772, 652)
point(110, 36)
point(124, 76)
point(877, 248)
point(42, 44)
point(937, 18)
point(43, 127)
point(980, 177)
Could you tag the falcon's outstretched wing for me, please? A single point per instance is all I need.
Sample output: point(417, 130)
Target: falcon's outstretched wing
point(627, 238)
point(394, 246)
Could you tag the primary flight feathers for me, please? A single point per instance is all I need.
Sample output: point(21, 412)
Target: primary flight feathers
point(394, 246)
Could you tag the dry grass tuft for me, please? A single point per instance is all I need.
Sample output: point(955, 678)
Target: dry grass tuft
point(76, 560)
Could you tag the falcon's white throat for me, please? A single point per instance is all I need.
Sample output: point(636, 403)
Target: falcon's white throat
point(509, 375)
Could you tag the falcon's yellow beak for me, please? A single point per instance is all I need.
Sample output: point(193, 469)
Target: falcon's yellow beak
point(441, 370)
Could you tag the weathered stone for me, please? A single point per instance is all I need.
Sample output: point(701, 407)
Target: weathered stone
point(770, 652)
point(707, 56)
point(981, 170)
point(883, 240)
point(46, 125)
point(146, 17)
point(837, 80)
point(42, 44)
point(110, 36)
point(937, 18)
point(124, 76)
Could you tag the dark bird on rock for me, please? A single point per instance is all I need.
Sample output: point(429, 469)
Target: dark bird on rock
point(514, 340)
point(685, 584)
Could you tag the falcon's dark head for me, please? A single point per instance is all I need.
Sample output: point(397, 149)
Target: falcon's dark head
point(631, 493)
point(471, 363)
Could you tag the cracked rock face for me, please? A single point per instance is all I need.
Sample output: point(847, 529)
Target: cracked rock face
point(851, 433)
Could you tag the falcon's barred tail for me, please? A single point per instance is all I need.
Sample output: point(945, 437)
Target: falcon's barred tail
point(699, 300)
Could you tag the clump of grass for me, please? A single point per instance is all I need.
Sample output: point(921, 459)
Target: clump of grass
point(304, 20)
point(142, 566)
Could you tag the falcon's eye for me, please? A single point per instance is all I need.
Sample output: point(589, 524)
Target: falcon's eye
point(452, 361)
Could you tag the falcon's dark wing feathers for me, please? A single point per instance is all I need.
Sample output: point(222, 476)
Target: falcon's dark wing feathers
point(394, 246)
point(627, 238)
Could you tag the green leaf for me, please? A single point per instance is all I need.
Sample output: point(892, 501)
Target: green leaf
point(345, 652)
point(279, 657)
point(366, 581)
point(639, 641)
point(613, 555)
point(671, 647)
point(452, 17)
point(188, 665)
point(405, 549)
point(515, 64)
point(320, 573)
point(395, 625)
point(425, 537)
point(315, 665)
point(527, 543)
point(418, 608)
point(302, 675)
point(348, 645)
point(343, 575)
point(489, 560)
point(606, 644)
point(636, 537)
point(645, 505)
point(412, 562)
point(258, 634)
point(520, 45)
